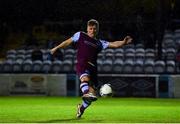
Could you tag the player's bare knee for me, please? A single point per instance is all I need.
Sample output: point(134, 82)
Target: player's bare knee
point(85, 79)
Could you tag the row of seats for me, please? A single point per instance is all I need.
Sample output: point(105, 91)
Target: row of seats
point(129, 53)
point(106, 66)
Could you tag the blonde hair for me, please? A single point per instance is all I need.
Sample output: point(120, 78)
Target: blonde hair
point(92, 22)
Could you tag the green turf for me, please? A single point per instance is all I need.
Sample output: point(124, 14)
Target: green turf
point(110, 110)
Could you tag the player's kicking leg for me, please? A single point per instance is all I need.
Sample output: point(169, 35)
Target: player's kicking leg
point(88, 96)
point(89, 93)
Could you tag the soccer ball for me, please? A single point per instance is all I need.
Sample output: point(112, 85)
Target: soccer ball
point(105, 90)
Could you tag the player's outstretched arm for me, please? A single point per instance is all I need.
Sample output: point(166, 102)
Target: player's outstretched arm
point(117, 44)
point(64, 44)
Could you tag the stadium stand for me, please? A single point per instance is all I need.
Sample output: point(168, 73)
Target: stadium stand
point(67, 66)
point(7, 66)
point(119, 56)
point(20, 57)
point(128, 66)
point(117, 66)
point(17, 66)
point(138, 66)
point(56, 66)
point(36, 66)
point(99, 64)
point(149, 66)
point(129, 59)
point(170, 54)
point(27, 66)
point(10, 57)
point(107, 65)
point(170, 66)
point(11, 52)
point(122, 60)
point(20, 52)
point(159, 66)
point(46, 66)
point(109, 56)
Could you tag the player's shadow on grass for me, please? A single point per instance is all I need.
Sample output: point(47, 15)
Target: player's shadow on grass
point(68, 120)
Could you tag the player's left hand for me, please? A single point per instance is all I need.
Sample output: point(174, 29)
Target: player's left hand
point(127, 40)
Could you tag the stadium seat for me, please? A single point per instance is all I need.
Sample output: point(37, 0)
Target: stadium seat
point(129, 46)
point(20, 57)
point(11, 52)
point(168, 35)
point(56, 66)
point(69, 51)
point(118, 50)
point(20, 52)
point(10, 57)
point(168, 40)
point(69, 57)
point(117, 66)
point(138, 67)
point(170, 54)
point(109, 51)
point(139, 45)
point(140, 56)
point(106, 65)
point(28, 52)
point(37, 54)
point(36, 66)
point(128, 66)
point(27, 57)
point(109, 56)
point(118, 56)
point(74, 65)
point(27, 66)
point(149, 50)
point(129, 50)
point(99, 64)
point(101, 55)
point(139, 50)
point(17, 66)
point(46, 66)
point(7, 66)
point(150, 55)
point(67, 66)
point(170, 66)
point(159, 66)
point(149, 66)
point(129, 56)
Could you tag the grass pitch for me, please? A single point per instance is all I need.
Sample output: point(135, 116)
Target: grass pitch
point(105, 110)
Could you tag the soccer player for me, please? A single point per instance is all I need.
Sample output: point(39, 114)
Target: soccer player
point(88, 47)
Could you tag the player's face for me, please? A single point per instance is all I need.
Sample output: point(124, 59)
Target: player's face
point(92, 31)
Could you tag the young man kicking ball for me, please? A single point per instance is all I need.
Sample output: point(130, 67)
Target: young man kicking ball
point(88, 47)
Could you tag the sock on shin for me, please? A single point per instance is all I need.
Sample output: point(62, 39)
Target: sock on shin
point(84, 87)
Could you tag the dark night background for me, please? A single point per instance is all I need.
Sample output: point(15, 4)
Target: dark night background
point(145, 20)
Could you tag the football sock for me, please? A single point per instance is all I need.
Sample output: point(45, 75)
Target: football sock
point(84, 87)
point(85, 104)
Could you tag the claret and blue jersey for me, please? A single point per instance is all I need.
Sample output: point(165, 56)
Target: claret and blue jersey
point(87, 52)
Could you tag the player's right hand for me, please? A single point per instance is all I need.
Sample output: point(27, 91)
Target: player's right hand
point(53, 51)
point(128, 39)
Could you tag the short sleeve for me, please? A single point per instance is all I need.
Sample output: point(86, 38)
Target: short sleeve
point(75, 37)
point(105, 43)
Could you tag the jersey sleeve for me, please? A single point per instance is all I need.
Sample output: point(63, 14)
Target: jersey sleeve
point(75, 37)
point(105, 44)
